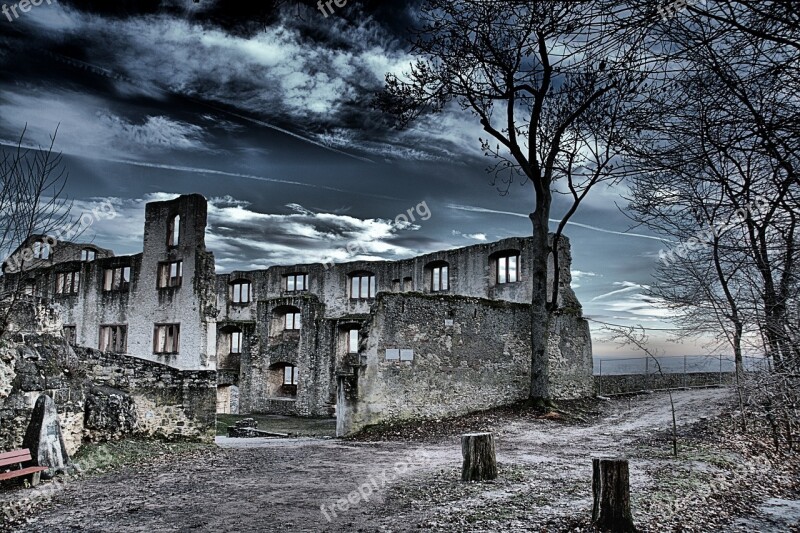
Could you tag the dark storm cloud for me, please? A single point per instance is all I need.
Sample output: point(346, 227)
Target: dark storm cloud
point(264, 107)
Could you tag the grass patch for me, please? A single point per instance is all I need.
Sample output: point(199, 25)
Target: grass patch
point(108, 456)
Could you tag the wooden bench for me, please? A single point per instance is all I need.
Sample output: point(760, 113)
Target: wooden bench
point(18, 458)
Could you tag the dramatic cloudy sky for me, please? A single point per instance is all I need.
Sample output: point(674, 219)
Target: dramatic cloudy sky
point(267, 113)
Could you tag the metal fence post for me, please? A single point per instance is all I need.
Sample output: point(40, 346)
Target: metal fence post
point(685, 374)
point(720, 370)
point(601, 377)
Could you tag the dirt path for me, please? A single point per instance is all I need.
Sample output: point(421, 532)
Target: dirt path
point(280, 485)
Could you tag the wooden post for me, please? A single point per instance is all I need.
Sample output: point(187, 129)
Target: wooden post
point(611, 493)
point(480, 462)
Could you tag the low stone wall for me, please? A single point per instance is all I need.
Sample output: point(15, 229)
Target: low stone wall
point(630, 383)
point(101, 396)
point(170, 403)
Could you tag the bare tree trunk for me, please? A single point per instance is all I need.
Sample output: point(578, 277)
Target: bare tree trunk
point(611, 491)
point(540, 312)
point(480, 462)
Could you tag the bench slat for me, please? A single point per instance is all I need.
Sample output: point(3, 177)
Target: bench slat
point(23, 472)
point(17, 456)
point(13, 453)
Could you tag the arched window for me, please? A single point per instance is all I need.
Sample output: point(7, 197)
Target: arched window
point(286, 319)
point(362, 286)
point(174, 231)
point(283, 380)
point(230, 345)
point(240, 291)
point(439, 276)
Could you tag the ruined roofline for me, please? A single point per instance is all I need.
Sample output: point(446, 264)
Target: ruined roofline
point(455, 298)
point(41, 237)
point(41, 251)
point(435, 255)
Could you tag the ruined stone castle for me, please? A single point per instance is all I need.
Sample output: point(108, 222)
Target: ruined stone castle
point(437, 335)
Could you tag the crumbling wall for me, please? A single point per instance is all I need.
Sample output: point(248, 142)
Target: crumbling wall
point(169, 403)
point(634, 383)
point(101, 396)
point(309, 349)
point(469, 354)
point(40, 365)
point(570, 353)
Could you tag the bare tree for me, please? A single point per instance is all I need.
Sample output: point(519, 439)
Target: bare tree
point(31, 203)
point(549, 82)
point(721, 135)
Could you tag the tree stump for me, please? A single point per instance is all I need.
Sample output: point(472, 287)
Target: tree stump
point(611, 493)
point(480, 463)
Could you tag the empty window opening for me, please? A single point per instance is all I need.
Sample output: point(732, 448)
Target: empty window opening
point(170, 274)
point(292, 321)
point(440, 280)
point(117, 279)
point(114, 338)
point(290, 375)
point(283, 380)
point(240, 292)
point(352, 341)
point(236, 342)
point(166, 339)
point(87, 254)
point(68, 282)
point(296, 282)
point(362, 286)
point(174, 231)
point(508, 269)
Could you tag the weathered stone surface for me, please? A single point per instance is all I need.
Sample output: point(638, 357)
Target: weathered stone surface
point(632, 383)
point(128, 396)
point(30, 376)
point(45, 440)
point(7, 370)
point(470, 354)
point(570, 350)
point(110, 413)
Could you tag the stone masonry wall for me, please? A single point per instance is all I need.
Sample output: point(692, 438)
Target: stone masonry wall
point(631, 383)
point(171, 404)
point(469, 354)
point(122, 396)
